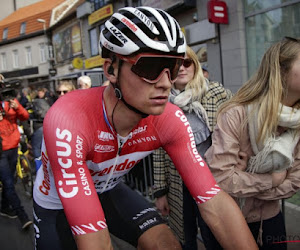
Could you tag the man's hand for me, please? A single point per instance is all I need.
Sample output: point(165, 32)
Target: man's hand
point(242, 161)
point(162, 205)
point(13, 104)
point(278, 178)
point(227, 222)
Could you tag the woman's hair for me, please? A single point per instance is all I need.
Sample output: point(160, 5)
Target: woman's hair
point(268, 86)
point(68, 84)
point(198, 83)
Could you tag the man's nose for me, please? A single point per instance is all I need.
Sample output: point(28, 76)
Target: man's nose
point(164, 81)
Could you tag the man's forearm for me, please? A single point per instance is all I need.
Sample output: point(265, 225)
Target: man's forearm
point(227, 223)
point(99, 240)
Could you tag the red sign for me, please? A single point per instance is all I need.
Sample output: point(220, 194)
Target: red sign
point(217, 12)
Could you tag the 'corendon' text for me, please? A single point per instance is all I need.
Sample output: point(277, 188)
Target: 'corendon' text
point(120, 167)
point(64, 151)
point(45, 187)
point(183, 118)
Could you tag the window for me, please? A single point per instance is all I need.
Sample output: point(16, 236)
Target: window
point(94, 42)
point(43, 52)
point(28, 56)
point(23, 28)
point(15, 58)
point(267, 27)
point(3, 61)
point(5, 32)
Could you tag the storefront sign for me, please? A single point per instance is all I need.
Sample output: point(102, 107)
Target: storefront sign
point(77, 63)
point(100, 14)
point(217, 12)
point(93, 62)
point(67, 43)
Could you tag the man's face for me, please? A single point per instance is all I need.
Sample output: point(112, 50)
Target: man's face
point(41, 94)
point(146, 97)
point(82, 85)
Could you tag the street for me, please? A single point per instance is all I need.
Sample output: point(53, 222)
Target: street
point(12, 237)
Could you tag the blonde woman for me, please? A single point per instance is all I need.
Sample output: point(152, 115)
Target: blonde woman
point(64, 87)
point(199, 99)
point(262, 120)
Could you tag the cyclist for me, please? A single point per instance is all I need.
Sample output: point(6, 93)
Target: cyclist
point(93, 137)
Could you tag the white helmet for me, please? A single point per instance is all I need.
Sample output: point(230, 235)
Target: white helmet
point(143, 29)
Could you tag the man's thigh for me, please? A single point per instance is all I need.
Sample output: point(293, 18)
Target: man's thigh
point(128, 214)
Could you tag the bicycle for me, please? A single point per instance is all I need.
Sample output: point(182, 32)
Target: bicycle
point(24, 169)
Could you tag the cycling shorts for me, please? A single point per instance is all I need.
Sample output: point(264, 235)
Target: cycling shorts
point(127, 213)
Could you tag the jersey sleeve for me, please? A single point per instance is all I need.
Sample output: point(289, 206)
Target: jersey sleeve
point(67, 139)
point(178, 141)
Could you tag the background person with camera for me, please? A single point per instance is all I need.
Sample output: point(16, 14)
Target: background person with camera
point(10, 111)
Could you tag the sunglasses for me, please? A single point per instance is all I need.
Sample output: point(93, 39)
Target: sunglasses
point(187, 62)
point(62, 91)
point(150, 67)
point(291, 39)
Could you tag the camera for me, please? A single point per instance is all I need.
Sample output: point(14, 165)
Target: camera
point(8, 89)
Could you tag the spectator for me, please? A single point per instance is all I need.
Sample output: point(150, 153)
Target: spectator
point(40, 105)
point(64, 87)
point(84, 82)
point(10, 112)
point(262, 120)
point(200, 101)
point(205, 71)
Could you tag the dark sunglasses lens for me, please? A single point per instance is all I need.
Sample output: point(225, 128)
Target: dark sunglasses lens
point(151, 67)
point(187, 63)
point(60, 92)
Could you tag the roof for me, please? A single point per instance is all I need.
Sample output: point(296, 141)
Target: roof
point(30, 14)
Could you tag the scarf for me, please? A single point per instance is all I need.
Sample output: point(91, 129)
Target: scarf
point(274, 154)
point(184, 101)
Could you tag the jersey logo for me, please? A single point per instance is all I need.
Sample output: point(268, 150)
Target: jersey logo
point(210, 194)
point(142, 140)
point(104, 148)
point(139, 130)
point(194, 150)
point(105, 136)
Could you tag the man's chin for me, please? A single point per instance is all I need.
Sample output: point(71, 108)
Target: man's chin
point(157, 110)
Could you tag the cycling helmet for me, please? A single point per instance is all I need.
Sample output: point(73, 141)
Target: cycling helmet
point(142, 29)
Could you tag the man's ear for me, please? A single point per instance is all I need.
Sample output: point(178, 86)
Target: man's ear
point(110, 71)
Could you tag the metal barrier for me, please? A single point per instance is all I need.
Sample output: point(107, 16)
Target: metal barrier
point(140, 178)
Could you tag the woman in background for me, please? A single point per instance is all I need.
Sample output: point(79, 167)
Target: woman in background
point(262, 120)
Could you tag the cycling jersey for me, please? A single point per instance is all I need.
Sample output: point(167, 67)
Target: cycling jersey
point(82, 155)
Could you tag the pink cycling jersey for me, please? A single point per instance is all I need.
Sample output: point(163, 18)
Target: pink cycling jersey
point(82, 156)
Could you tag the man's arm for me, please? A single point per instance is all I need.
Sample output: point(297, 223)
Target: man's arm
point(227, 223)
point(99, 240)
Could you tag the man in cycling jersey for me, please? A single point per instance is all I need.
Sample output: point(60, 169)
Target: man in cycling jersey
point(94, 137)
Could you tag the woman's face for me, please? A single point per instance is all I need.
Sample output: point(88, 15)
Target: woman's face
point(293, 83)
point(62, 90)
point(186, 73)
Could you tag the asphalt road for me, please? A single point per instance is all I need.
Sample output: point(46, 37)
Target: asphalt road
point(12, 237)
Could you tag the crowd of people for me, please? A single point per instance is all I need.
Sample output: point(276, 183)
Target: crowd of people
point(222, 161)
point(27, 109)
